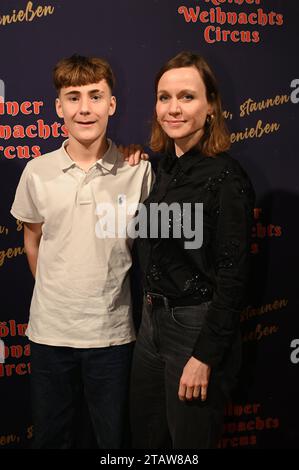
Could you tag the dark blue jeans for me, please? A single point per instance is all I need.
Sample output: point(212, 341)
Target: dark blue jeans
point(158, 418)
point(58, 376)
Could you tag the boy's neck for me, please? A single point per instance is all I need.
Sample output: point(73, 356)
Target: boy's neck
point(86, 154)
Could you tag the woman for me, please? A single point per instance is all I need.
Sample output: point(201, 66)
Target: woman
point(188, 349)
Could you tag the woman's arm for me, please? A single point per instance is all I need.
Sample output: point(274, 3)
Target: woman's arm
point(231, 253)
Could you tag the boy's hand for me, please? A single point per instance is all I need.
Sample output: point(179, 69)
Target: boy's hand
point(133, 153)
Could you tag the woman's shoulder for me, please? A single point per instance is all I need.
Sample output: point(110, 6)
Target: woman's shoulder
point(225, 171)
point(224, 162)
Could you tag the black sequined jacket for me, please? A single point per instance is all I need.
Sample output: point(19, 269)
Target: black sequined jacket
point(218, 270)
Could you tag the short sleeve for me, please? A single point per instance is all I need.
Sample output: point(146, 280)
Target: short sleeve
point(25, 205)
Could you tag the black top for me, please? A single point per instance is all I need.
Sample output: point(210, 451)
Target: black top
point(216, 271)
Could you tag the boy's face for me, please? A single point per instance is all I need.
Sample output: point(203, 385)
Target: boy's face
point(86, 110)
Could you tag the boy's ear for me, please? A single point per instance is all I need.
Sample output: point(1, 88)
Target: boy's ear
point(112, 106)
point(58, 108)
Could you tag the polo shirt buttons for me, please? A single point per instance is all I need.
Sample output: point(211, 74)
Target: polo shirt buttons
point(84, 195)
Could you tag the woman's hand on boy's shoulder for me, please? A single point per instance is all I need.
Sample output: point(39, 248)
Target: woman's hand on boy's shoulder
point(133, 153)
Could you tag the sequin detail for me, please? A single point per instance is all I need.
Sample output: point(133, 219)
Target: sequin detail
point(228, 254)
point(195, 285)
point(214, 183)
point(177, 218)
point(154, 273)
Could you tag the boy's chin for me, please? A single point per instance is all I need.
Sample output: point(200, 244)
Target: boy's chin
point(85, 139)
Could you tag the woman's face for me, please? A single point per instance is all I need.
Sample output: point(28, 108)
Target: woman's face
point(182, 107)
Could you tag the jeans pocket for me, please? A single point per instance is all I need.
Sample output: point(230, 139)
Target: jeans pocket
point(190, 317)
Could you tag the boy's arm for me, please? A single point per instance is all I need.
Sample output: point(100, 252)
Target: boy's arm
point(32, 236)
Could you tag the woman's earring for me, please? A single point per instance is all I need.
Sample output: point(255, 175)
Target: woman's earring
point(210, 118)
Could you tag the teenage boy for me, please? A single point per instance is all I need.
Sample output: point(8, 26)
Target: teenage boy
point(80, 324)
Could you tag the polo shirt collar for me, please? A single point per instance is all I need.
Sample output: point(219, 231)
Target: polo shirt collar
point(65, 159)
point(107, 161)
point(110, 157)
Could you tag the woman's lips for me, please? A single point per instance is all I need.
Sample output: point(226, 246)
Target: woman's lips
point(174, 123)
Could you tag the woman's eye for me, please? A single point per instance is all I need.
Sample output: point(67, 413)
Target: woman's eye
point(188, 97)
point(163, 98)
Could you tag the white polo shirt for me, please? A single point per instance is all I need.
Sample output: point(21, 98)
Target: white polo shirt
point(82, 294)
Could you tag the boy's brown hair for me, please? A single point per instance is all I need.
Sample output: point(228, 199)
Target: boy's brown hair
point(79, 70)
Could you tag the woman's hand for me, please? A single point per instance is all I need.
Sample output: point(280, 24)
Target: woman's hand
point(133, 153)
point(194, 380)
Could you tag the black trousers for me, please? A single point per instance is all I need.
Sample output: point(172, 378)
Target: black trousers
point(58, 373)
point(159, 419)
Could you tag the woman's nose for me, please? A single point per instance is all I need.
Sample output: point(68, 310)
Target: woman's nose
point(174, 106)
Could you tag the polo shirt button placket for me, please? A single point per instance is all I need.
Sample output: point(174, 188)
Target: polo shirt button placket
point(83, 193)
